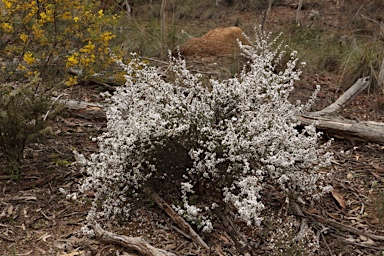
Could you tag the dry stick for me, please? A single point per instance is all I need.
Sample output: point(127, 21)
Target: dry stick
point(344, 227)
point(183, 225)
point(75, 104)
point(240, 242)
point(304, 222)
point(380, 78)
point(326, 244)
point(367, 130)
point(265, 16)
point(39, 183)
point(162, 21)
point(132, 243)
point(356, 243)
point(344, 100)
point(53, 103)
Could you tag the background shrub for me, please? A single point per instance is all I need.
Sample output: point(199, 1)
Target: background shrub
point(22, 107)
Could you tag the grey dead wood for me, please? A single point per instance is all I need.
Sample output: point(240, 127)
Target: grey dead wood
point(133, 243)
point(336, 107)
point(330, 121)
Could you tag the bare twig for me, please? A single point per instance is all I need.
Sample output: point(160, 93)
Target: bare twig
point(38, 183)
point(266, 13)
point(344, 227)
point(53, 103)
point(240, 242)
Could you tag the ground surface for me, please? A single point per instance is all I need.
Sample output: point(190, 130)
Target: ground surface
point(37, 219)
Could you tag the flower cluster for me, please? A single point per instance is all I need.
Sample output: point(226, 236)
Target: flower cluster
point(38, 36)
point(237, 138)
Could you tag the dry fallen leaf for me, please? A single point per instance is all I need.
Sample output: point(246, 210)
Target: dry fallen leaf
point(376, 166)
point(339, 198)
point(10, 211)
point(314, 211)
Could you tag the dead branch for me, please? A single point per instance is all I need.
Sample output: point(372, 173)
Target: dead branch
point(369, 131)
point(344, 99)
point(300, 5)
point(343, 227)
point(328, 120)
point(39, 183)
point(75, 104)
point(183, 225)
point(238, 238)
point(132, 243)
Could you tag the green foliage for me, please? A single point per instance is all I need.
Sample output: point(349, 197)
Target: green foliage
point(22, 106)
point(319, 49)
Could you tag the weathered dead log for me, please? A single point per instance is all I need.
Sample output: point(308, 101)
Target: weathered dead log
point(336, 107)
point(329, 121)
point(133, 243)
point(183, 225)
point(369, 131)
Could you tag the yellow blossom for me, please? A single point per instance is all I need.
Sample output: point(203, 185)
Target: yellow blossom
point(24, 37)
point(7, 4)
point(76, 19)
point(88, 48)
point(100, 13)
point(66, 15)
point(107, 36)
point(28, 58)
point(37, 31)
point(7, 27)
point(43, 16)
point(72, 60)
point(21, 67)
point(71, 81)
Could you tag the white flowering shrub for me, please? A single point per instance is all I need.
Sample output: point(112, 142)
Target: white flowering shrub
point(238, 139)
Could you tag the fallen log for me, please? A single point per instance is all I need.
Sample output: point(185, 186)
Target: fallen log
point(133, 243)
point(345, 99)
point(369, 131)
point(328, 119)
